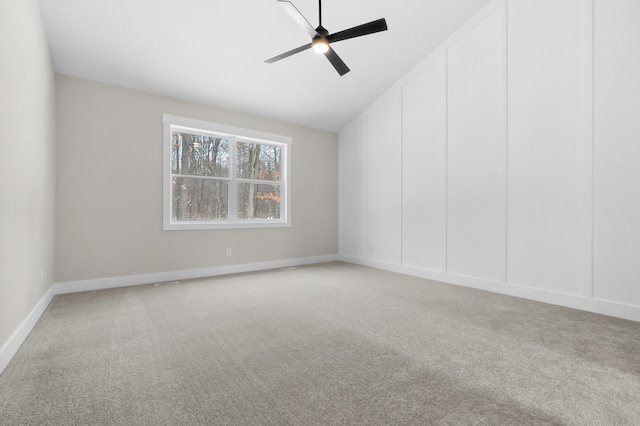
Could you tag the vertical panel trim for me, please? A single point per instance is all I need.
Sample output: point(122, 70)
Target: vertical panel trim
point(502, 226)
point(445, 155)
point(446, 163)
point(367, 250)
point(401, 91)
point(586, 255)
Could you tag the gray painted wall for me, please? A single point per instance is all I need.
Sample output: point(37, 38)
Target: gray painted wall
point(27, 158)
point(109, 189)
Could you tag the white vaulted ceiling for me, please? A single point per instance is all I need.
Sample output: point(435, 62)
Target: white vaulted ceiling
point(212, 52)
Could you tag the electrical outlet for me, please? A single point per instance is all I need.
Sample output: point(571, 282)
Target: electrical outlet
point(228, 252)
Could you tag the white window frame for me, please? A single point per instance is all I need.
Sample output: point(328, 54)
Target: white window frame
point(234, 134)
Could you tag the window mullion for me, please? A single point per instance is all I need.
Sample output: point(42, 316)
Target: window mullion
point(177, 175)
point(233, 187)
point(260, 182)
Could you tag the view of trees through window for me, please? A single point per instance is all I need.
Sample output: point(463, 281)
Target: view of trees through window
point(206, 177)
point(258, 162)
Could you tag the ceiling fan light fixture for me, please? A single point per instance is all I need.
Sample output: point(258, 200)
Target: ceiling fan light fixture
point(320, 45)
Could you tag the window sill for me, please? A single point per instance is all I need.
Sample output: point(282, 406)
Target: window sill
point(193, 226)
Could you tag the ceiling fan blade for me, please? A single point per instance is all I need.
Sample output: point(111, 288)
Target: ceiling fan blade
point(289, 53)
point(297, 16)
point(360, 30)
point(337, 63)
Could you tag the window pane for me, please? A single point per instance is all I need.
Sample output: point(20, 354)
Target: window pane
point(258, 162)
point(258, 201)
point(199, 155)
point(199, 199)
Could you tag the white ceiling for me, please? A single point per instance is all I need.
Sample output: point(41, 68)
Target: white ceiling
point(212, 51)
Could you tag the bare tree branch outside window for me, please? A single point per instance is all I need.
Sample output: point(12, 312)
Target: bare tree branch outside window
point(201, 178)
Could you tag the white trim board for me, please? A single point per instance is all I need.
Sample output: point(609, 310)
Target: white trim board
point(159, 277)
point(597, 306)
point(10, 348)
point(18, 337)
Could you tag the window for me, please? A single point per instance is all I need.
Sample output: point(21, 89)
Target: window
point(218, 176)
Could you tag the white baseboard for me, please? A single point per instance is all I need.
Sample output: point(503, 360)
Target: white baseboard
point(18, 337)
point(159, 277)
point(598, 306)
point(12, 345)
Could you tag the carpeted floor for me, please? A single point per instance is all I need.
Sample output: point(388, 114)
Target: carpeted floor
point(333, 344)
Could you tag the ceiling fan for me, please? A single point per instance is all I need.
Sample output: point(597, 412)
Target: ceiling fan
point(321, 39)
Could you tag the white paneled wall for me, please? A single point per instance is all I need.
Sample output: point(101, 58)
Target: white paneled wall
point(424, 172)
point(509, 160)
point(477, 151)
point(617, 151)
point(545, 139)
point(384, 188)
point(352, 192)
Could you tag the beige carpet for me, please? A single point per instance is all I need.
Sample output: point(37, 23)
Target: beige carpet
point(333, 344)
